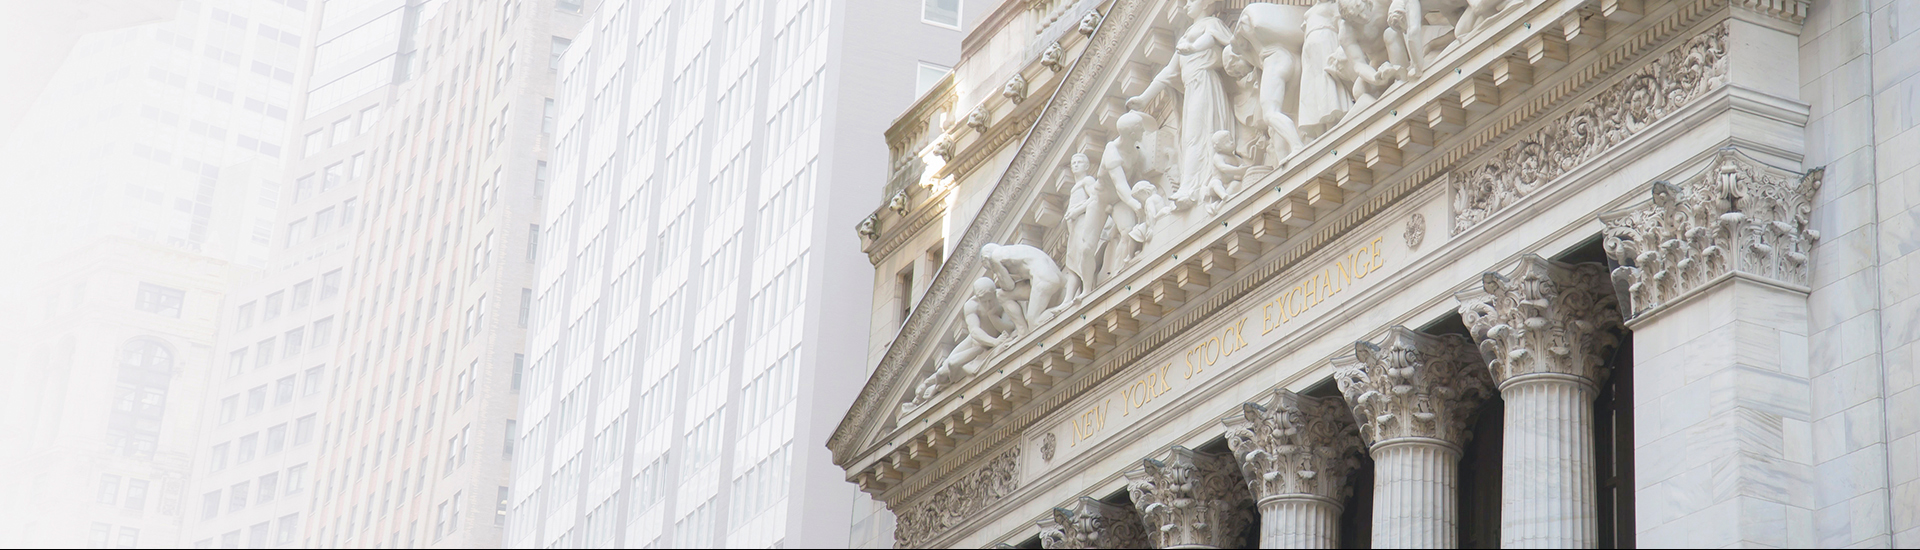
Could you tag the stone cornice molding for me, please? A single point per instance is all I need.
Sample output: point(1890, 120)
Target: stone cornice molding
point(887, 241)
point(1544, 317)
point(1291, 444)
point(1414, 386)
point(1191, 499)
point(1736, 216)
point(1089, 523)
point(1635, 103)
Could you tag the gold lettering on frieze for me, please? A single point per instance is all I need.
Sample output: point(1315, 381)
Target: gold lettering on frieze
point(1316, 288)
point(1090, 421)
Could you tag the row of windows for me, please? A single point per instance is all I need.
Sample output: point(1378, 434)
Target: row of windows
point(300, 295)
point(295, 342)
point(257, 492)
point(247, 446)
point(283, 531)
point(283, 393)
point(324, 221)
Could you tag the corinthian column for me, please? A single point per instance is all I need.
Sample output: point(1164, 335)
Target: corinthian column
point(1295, 453)
point(1413, 396)
point(1190, 500)
point(1545, 331)
point(1090, 523)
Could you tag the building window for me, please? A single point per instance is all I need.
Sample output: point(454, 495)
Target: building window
point(272, 308)
point(159, 299)
point(289, 525)
point(257, 535)
point(136, 494)
point(945, 13)
point(245, 315)
point(313, 379)
point(276, 438)
point(315, 143)
point(129, 538)
point(210, 505)
point(928, 75)
point(559, 48)
point(140, 398)
point(229, 408)
point(248, 444)
point(109, 489)
point(268, 483)
point(303, 429)
point(237, 497)
point(97, 536)
point(219, 460)
point(297, 478)
point(284, 389)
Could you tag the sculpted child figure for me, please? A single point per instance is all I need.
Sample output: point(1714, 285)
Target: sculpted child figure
point(1227, 173)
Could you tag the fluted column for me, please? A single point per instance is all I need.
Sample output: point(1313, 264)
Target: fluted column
point(1090, 523)
point(1190, 500)
point(1414, 396)
point(1545, 331)
point(1295, 453)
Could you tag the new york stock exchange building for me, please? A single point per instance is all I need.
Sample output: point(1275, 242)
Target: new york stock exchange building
point(1400, 273)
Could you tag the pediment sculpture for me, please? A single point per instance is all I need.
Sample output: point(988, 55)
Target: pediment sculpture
point(1231, 103)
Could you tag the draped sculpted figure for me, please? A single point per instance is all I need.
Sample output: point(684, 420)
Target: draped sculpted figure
point(1089, 204)
point(1198, 71)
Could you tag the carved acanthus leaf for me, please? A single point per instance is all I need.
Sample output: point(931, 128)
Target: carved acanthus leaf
point(1413, 385)
point(1544, 317)
point(1090, 523)
point(1295, 444)
point(1739, 215)
point(1190, 499)
point(926, 518)
point(1638, 101)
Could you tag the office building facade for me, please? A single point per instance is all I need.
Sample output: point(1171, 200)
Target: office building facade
point(413, 448)
point(690, 340)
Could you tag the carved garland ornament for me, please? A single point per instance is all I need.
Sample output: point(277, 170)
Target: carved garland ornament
point(1294, 444)
point(1413, 385)
point(1641, 99)
point(1546, 317)
point(1736, 216)
point(920, 521)
point(1090, 523)
point(1190, 499)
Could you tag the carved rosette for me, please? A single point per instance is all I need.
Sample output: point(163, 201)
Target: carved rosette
point(1090, 523)
point(1413, 385)
point(1191, 499)
point(1295, 445)
point(1545, 317)
point(1739, 215)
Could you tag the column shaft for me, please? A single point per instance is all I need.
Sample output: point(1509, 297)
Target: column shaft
point(1547, 479)
point(1299, 521)
point(1415, 485)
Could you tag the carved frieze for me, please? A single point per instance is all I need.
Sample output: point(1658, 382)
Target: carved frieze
point(921, 520)
point(1413, 385)
point(1738, 215)
point(1640, 100)
point(1544, 317)
point(1190, 499)
point(1090, 523)
point(1295, 444)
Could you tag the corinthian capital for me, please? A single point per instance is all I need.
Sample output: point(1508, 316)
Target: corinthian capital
point(1090, 523)
point(1413, 385)
point(1544, 317)
point(1295, 444)
point(1737, 216)
point(1191, 499)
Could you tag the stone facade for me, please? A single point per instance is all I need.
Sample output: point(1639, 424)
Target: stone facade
point(1639, 326)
